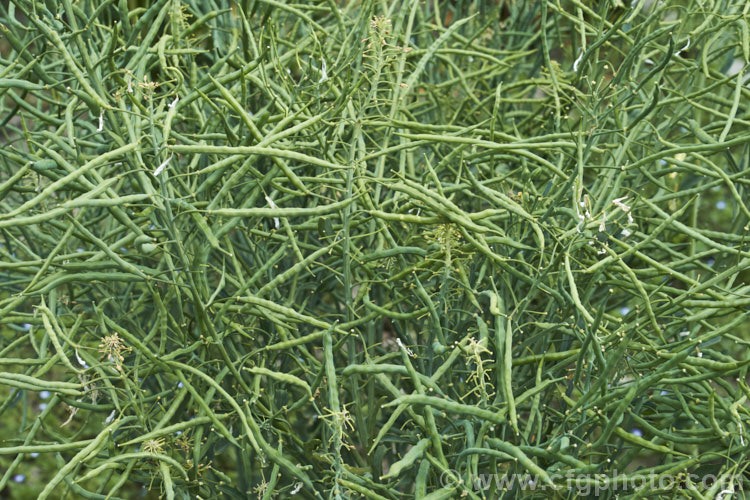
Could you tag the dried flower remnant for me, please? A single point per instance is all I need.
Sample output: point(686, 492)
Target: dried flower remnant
point(153, 446)
point(72, 410)
point(480, 376)
point(113, 348)
point(341, 421)
point(619, 203)
point(260, 490)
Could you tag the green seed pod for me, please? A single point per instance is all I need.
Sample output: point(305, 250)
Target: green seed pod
point(408, 460)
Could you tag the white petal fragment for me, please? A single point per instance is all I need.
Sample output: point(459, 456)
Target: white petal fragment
point(406, 349)
point(324, 73)
point(729, 491)
point(619, 204)
point(577, 61)
point(273, 205)
point(80, 361)
point(161, 167)
point(101, 122)
point(684, 48)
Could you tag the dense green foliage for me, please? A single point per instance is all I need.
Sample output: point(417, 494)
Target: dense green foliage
point(343, 248)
